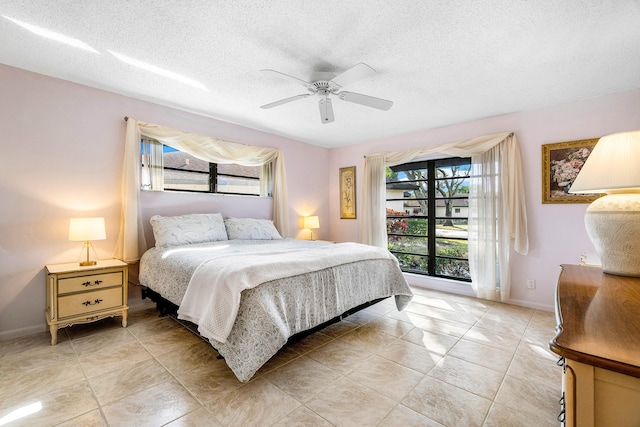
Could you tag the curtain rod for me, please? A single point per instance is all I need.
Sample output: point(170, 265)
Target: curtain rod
point(126, 118)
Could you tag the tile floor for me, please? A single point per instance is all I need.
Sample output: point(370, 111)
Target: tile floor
point(445, 360)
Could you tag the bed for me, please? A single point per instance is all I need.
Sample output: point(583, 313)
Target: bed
point(248, 290)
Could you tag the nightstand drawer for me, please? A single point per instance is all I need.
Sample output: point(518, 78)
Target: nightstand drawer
point(89, 282)
point(88, 302)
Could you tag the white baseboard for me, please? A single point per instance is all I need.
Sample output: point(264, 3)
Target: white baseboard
point(534, 305)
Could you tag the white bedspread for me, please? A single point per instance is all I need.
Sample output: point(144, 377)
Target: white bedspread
point(212, 298)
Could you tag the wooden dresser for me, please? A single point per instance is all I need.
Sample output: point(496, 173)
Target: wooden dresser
point(598, 339)
point(77, 294)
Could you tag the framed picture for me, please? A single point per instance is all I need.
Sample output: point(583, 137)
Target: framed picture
point(348, 193)
point(561, 163)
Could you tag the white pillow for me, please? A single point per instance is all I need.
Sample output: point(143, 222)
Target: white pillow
point(187, 229)
point(251, 229)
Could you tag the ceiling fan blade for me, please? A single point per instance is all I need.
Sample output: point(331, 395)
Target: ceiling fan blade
point(353, 74)
point(369, 101)
point(284, 101)
point(290, 78)
point(326, 110)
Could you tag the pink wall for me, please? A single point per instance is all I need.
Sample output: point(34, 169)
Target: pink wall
point(62, 153)
point(556, 232)
point(62, 147)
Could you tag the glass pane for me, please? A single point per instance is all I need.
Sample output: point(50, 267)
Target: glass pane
point(228, 184)
point(414, 263)
point(453, 268)
point(452, 208)
point(179, 160)
point(406, 207)
point(248, 171)
point(419, 173)
point(416, 226)
point(452, 248)
point(452, 228)
point(185, 180)
point(453, 167)
point(417, 245)
point(452, 187)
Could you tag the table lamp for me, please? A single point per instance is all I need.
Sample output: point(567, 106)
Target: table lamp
point(85, 230)
point(311, 222)
point(613, 221)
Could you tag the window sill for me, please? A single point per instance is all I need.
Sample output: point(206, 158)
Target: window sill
point(439, 284)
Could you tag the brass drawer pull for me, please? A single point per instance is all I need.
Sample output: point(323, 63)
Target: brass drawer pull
point(88, 303)
point(95, 283)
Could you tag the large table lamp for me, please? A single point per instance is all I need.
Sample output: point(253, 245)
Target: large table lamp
point(613, 221)
point(85, 230)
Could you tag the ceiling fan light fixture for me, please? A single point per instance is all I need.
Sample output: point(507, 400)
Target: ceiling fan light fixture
point(325, 83)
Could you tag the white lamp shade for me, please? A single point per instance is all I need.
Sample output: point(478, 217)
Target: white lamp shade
point(612, 165)
point(85, 229)
point(311, 222)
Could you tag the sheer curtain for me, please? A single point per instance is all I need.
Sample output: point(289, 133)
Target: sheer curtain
point(131, 242)
point(497, 218)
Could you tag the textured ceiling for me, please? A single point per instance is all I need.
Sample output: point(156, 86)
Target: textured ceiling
point(441, 62)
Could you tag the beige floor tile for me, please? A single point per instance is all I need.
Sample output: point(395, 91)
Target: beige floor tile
point(175, 339)
point(302, 417)
point(310, 342)
point(501, 340)
point(433, 342)
point(198, 418)
point(145, 330)
point(338, 329)
point(483, 355)
point(210, 382)
point(131, 378)
point(353, 372)
point(99, 342)
point(39, 381)
point(191, 356)
point(533, 397)
point(503, 325)
point(447, 404)
point(340, 356)
point(347, 403)
point(443, 314)
point(449, 327)
point(303, 378)
point(534, 361)
point(35, 357)
point(395, 328)
point(503, 416)
point(284, 356)
point(154, 406)
point(257, 403)
point(30, 345)
point(90, 419)
point(468, 376)
point(55, 407)
point(401, 416)
point(386, 377)
point(411, 355)
point(108, 360)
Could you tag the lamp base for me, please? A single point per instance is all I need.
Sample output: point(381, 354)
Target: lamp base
point(86, 263)
point(613, 224)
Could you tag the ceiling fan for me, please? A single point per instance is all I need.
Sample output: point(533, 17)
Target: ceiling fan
point(324, 83)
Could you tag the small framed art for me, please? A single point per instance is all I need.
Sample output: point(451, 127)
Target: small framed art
point(348, 193)
point(561, 162)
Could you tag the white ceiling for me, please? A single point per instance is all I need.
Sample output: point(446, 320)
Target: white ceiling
point(441, 62)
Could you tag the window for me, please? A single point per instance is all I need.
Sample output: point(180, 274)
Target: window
point(427, 216)
point(183, 172)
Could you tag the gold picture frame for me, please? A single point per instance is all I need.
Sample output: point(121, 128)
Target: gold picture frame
point(348, 193)
point(561, 162)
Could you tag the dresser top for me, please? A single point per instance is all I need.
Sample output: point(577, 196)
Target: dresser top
point(598, 318)
point(74, 266)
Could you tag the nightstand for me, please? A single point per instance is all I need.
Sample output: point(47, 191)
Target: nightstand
point(77, 294)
